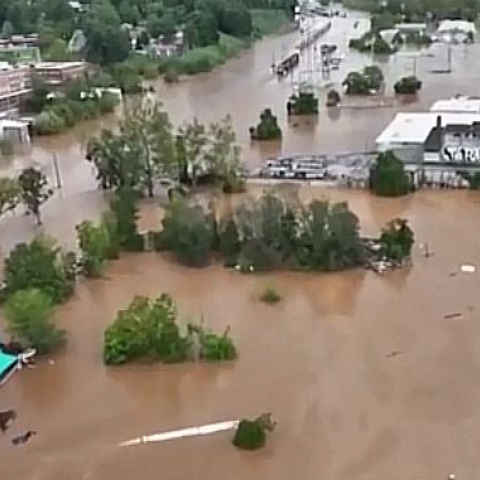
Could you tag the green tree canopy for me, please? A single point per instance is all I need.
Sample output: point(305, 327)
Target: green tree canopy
point(41, 265)
point(34, 191)
point(388, 177)
point(29, 315)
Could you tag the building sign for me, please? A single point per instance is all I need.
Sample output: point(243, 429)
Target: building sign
point(461, 154)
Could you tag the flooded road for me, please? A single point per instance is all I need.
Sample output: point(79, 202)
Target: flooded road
point(317, 361)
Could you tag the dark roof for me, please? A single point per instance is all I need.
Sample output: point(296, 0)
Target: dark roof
point(433, 143)
point(460, 128)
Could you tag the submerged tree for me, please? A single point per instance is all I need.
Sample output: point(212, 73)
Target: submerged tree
point(149, 330)
point(397, 239)
point(407, 85)
point(209, 153)
point(333, 98)
point(123, 221)
point(305, 103)
point(189, 232)
point(29, 315)
point(9, 194)
point(39, 264)
point(141, 152)
point(265, 234)
point(267, 129)
point(388, 177)
point(252, 434)
point(366, 82)
point(34, 191)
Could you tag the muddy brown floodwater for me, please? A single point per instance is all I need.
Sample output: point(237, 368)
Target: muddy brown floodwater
point(319, 361)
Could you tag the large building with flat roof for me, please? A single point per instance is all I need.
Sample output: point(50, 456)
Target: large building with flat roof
point(437, 148)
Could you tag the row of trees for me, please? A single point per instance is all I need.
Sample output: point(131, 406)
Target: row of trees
point(264, 234)
point(115, 232)
point(102, 22)
point(149, 330)
point(419, 10)
point(147, 148)
point(371, 80)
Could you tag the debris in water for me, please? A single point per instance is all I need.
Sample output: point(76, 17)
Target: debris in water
point(453, 316)
point(6, 419)
point(395, 353)
point(426, 250)
point(183, 433)
point(21, 439)
point(468, 268)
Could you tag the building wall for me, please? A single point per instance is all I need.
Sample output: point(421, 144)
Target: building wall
point(60, 74)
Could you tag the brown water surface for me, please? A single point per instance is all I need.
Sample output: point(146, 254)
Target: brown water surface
point(317, 361)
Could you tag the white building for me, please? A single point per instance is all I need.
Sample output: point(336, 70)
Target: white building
point(456, 31)
point(15, 131)
point(456, 26)
point(433, 138)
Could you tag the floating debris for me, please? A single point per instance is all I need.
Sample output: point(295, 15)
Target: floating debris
point(395, 353)
point(453, 316)
point(6, 419)
point(183, 433)
point(468, 268)
point(24, 438)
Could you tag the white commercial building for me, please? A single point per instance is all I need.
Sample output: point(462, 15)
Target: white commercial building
point(424, 138)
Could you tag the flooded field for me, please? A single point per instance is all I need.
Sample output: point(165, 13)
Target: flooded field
point(319, 361)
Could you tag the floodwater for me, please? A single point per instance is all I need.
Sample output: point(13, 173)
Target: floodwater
point(318, 361)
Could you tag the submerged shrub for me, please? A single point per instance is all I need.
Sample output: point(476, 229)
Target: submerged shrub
point(29, 314)
point(148, 329)
point(270, 295)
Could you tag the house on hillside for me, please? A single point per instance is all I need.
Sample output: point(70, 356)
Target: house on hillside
point(171, 47)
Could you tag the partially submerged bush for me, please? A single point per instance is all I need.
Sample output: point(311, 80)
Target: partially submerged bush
point(397, 240)
point(149, 330)
point(41, 265)
point(252, 434)
point(29, 314)
point(270, 295)
point(213, 347)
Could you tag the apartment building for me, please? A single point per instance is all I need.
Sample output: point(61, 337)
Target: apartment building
point(59, 73)
point(15, 85)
